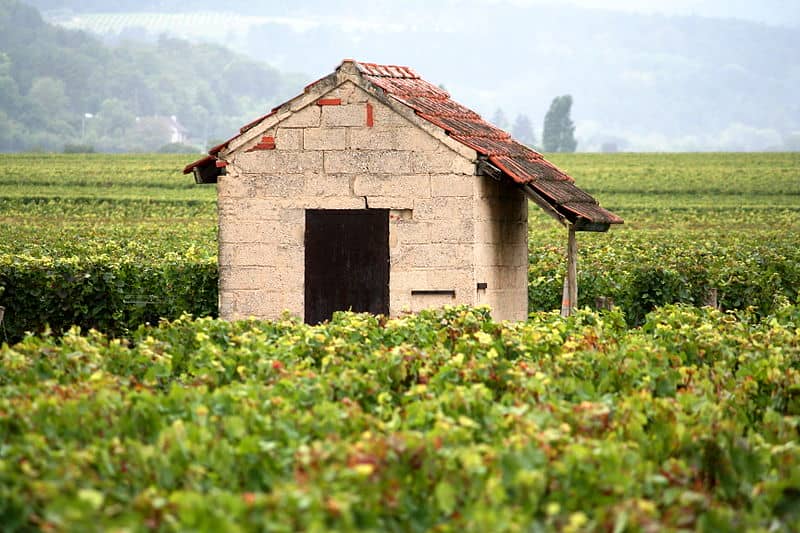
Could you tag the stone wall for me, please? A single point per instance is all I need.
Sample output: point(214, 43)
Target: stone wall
point(501, 248)
point(357, 152)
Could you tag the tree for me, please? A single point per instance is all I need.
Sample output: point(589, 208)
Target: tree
point(114, 118)
point(499, 119)
point(9, 92)
point(558, 134)
point(523, 131)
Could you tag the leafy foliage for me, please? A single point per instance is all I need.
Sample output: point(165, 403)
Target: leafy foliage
point(112, 294)
point(445, 420)
point(104, 242)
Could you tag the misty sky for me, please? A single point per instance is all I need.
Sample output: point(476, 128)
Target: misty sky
point(776, 12)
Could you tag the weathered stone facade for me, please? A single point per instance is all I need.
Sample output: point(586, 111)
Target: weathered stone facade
point(345, 146)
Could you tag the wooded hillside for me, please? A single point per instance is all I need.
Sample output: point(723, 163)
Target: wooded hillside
point(51, 79)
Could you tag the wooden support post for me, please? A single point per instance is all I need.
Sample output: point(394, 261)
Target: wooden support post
point(565, 306)
point(569, 299)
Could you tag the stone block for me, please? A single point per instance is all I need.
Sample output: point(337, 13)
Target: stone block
point(253, 254)
point(401, 215)
point(233, 231)
point(292, 214)
point(404, 282)
point(271, 186)
point(281, 256)
point(307, 117)
point(278, 162)
point(442, 161)
point(234, 187)
point(344, 115)
point(367, 162)
point(410, 231)
point(328, 185)
point(225, 254)
point(452, 231)
point(324, 138)
point(462, 279)
point(267, 304)
point(386, 117)
point(363, 138)
point(412, 186)
point(512, 254)
point(502, 277)
point(260, 278)
point(508, 304)
point(247, 208)
point(290, 256)
point(487, 209)
point(489, 188)
point(452, 185)
point(289, 139)
point(432, 256)
point(226, 305)
point(417, 140)
point(399, 306)
point(502, 231)
point(443, 208)
point(390, 162)
point(420, 302)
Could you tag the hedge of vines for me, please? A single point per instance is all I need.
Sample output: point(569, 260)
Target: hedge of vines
point(445, 421)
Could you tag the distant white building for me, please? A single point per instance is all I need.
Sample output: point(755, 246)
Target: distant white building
point(178, 133)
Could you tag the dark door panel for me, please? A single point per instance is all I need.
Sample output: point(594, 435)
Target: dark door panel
point(346, 262)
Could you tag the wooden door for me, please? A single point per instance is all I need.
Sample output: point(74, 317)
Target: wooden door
point(346, 262)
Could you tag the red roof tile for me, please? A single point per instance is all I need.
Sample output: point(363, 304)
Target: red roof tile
point(207, 160)
point(522, 164)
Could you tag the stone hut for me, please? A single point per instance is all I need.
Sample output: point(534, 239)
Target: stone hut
point(374, 191)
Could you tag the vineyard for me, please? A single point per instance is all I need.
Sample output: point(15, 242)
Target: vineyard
point(112, 242)
point(442, 421)
point(646, 417)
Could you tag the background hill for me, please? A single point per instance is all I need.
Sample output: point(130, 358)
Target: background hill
point(61, 86)
point(639, 81)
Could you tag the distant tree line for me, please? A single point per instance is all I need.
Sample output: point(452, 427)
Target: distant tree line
point(61, 87)
point(558, 133)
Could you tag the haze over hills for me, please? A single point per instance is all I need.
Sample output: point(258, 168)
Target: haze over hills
point(64, 87)
point(640, 81)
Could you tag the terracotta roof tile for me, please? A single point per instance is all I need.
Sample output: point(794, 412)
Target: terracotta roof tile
point(522, 164)
point(207, 160)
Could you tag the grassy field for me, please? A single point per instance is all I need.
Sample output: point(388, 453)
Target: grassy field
point(444, 421)
point(733, 193)
point(694, 222)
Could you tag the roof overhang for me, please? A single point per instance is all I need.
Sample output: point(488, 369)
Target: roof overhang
point(205, 170)
point(563, 214)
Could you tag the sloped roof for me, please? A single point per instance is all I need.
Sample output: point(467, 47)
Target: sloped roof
point(433, 104)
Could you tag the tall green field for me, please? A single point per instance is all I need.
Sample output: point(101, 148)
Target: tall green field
point(111, 241)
